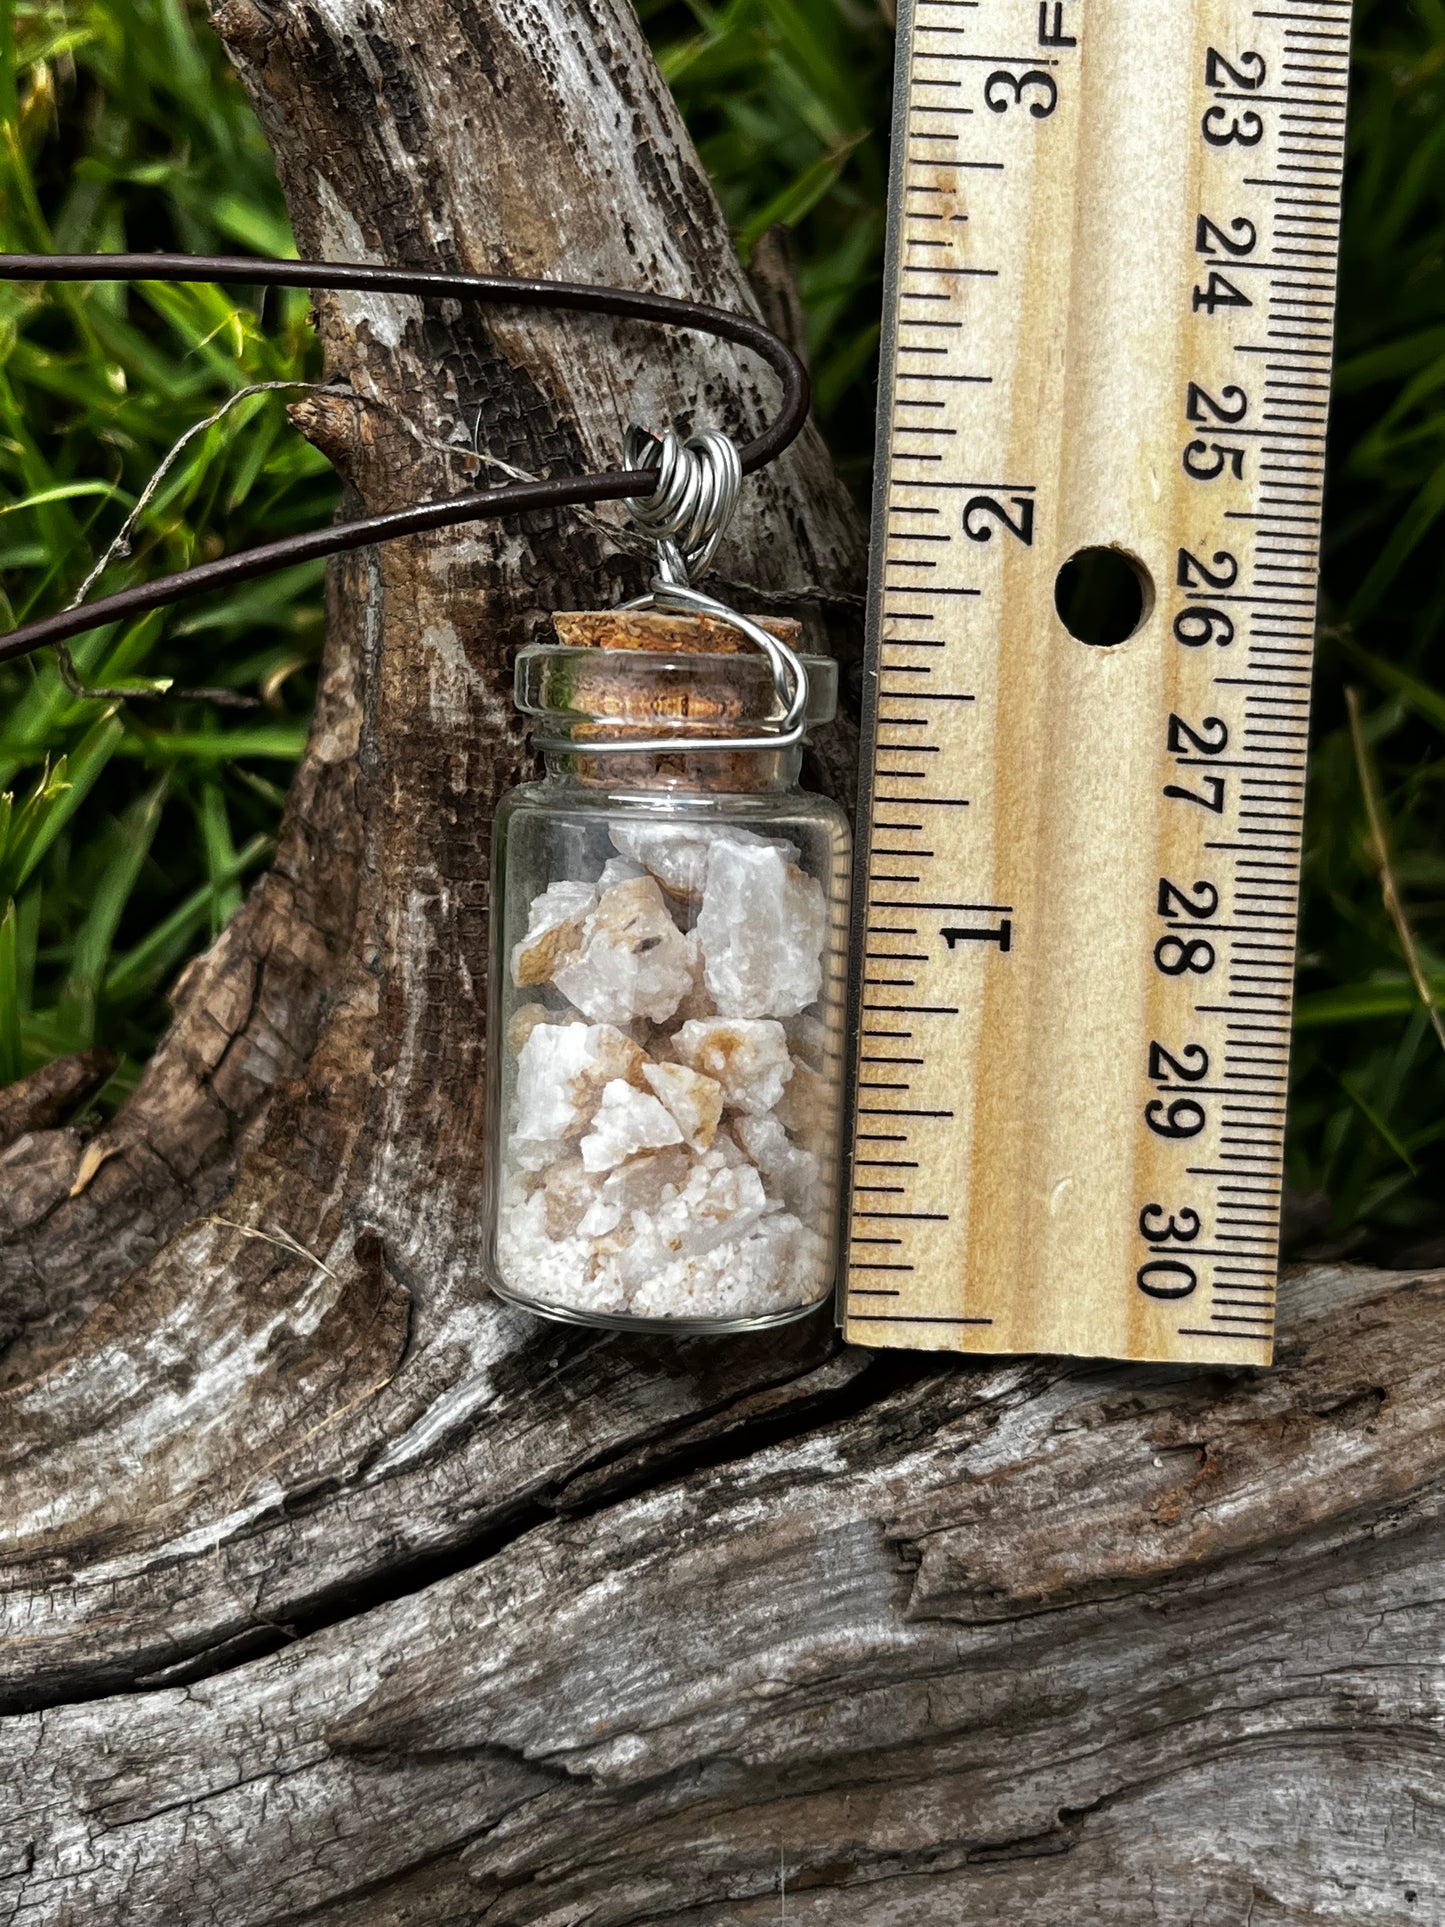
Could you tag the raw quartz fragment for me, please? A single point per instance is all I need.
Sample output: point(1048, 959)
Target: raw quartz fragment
point(748, 1057)
point(643, 1183)
point(719, 1202)
point(677, 853)
point(806, 1105)
point(695, 1101)
point(619, 869)
point(555, 925)
point(787, 1172)
point(631, 959)
point(535, 1155)
point(627, 1121)
point(697, 1002)
point(762, 927)
point(568, 1191)
point(563, 1073)
point(523, 1021)
point(775, 1265)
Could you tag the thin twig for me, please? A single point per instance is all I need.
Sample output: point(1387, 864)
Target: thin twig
point(120, 546)
point(283, 1240)
point(1380, 852)
point(332, 1418)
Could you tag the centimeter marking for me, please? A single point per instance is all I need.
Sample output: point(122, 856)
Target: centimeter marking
point(1108, 323)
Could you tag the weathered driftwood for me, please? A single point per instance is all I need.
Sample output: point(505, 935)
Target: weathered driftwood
point(335, 1592)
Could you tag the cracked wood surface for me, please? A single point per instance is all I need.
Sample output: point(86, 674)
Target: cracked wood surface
point(332, 1591)
point(882, 1645)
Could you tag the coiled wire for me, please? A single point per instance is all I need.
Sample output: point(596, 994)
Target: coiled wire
point(698, 485)
point(686, 515)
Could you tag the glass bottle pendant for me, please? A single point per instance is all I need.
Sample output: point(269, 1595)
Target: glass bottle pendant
point(669, 931)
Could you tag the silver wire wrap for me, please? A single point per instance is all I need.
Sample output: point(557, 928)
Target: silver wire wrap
point(693, 502)
point(686, 517)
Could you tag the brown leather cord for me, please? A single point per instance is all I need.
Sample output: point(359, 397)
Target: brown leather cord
point(488, 290)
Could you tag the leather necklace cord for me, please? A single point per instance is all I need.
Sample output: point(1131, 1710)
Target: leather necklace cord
point(487, 290)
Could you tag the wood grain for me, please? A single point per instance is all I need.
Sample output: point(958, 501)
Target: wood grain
point(1038, 1641)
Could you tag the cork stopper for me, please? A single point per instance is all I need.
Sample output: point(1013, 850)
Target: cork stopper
point(621, 677)
point(666, 633)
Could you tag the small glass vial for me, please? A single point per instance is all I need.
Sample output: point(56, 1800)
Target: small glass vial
point(669, 935)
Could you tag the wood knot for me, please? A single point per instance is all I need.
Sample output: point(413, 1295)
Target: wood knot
point(40, 1101)
point(331, 422)
point(243, 26)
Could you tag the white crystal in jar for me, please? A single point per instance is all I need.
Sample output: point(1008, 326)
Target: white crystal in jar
point(748, 1058)
point(653, 1166)
point(561, 1074)
point(761, 927)
point(627, 1121)
point(630, 960)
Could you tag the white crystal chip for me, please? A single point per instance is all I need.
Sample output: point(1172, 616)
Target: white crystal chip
point(718, 1203)
point(694, 1100)
point(789, 1173)
point(748, 1057)
point(631, 961)
point(762, 927)
point(554, 931)
point(619, 869)
point(677, 853)
point(562, 1072)
point(626, 1121)
point(568, 1192)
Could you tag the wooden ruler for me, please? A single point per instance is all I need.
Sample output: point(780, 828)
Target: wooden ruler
point(1108, 325)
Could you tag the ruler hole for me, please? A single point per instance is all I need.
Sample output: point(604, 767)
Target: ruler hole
point(1103, 596)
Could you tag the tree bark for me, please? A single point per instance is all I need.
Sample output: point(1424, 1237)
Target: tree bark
point(334, 1591)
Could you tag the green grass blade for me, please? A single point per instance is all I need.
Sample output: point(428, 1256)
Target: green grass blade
point(214, 822)
point(57, 798)
point(1351, 1004)
point(124, 851)
point(145, 967)
point(65, 492)
point(9, 998)
point(281, 742)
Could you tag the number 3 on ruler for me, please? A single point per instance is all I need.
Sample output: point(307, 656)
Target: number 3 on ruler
point(1003, 90)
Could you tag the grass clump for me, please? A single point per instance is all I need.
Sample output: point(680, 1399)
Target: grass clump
point(134, 823)
point(1367, 1103)
point(133, 819)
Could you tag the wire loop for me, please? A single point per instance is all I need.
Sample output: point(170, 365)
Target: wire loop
point(697, 491)
point(699, 481)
